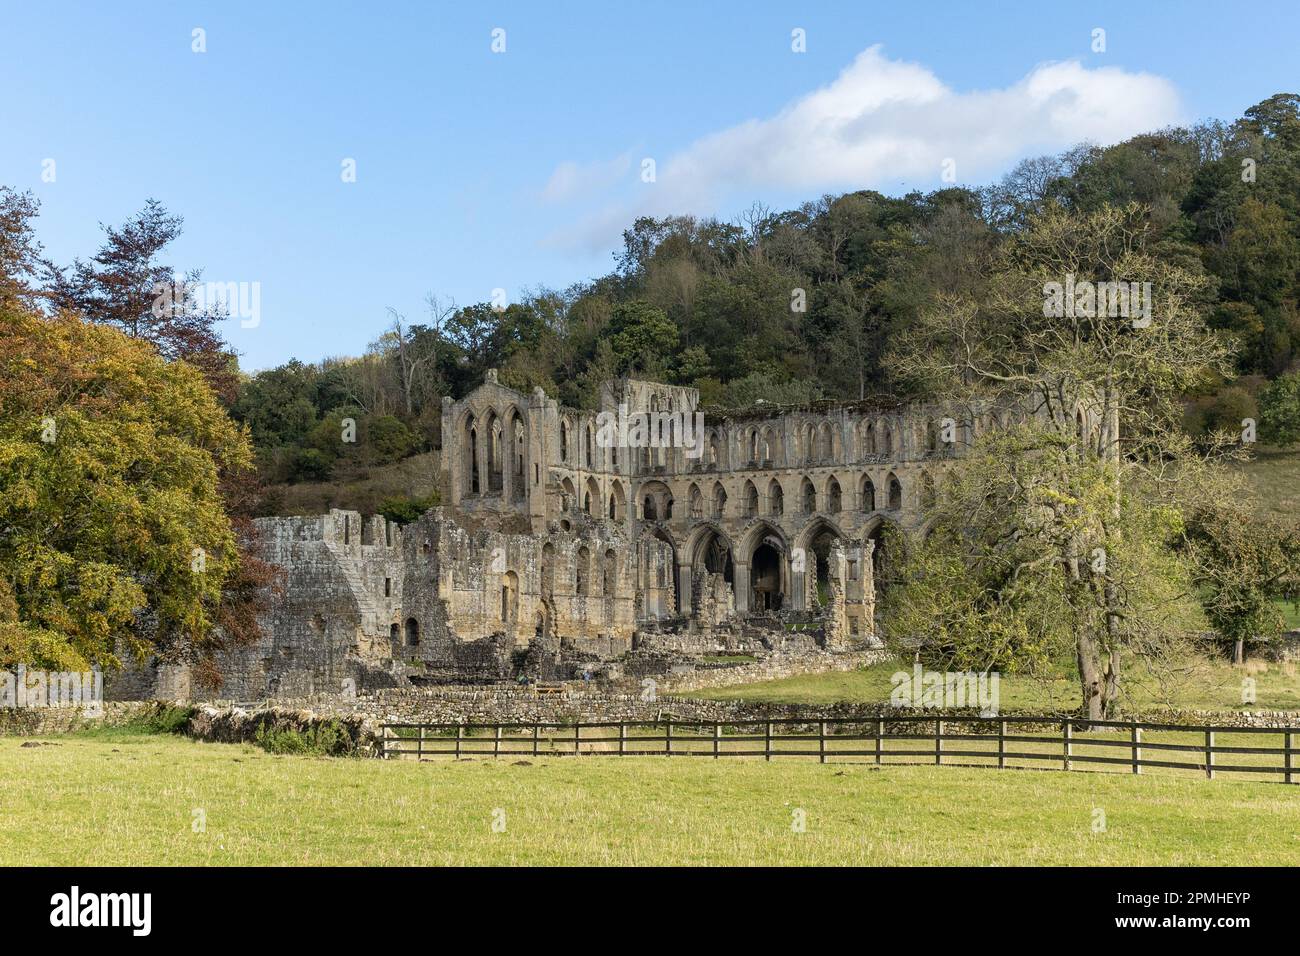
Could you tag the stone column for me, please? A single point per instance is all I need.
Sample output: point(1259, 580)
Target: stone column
point(535, 462)
point(837, 638)
point(740, 572)
point(451, 461)
point(685, 585)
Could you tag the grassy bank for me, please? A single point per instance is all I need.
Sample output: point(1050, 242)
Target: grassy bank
point(131, 799)
point(1201, 685)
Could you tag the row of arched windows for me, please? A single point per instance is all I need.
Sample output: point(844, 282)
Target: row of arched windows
point(831, 498)
point(656, 499)
point(758, 445)
point(493, 445)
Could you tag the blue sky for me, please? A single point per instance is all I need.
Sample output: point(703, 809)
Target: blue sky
point(478, 171)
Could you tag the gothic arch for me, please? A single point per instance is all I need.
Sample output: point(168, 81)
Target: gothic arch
point(894, 491)
point(834, 495)
point(807, 496)
point(656, 500)
point(568, 495)
point(469, 448)
point(775, 498)
point(517, 437)
point(617, 501)
point(867, 494)
point(657, 572)
point(814, 543)
point(767, 567)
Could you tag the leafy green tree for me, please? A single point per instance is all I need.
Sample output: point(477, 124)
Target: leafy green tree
point(1013, 349)
point(1279, 410)
point(1246, 563)
point(112, 530)
point(642, 338)
point(310, 464)
point(403, 509)
point(278, 404)
point(1023, 544)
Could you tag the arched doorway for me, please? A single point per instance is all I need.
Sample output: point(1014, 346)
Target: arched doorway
point(812, 551)
point(657, 571)
point(763, 570)
point(710, 556)
point(765, 578)
point(818, 558)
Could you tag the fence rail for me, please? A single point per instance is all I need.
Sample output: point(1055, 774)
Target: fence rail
point(992, 740)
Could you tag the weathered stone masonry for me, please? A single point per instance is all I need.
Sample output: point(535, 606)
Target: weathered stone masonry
point(557, 550)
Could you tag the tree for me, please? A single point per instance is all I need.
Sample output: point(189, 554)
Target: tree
point(1279, 410)
point(113, 533)
point(1246, 562)
point(126, 286)
point(1104, 387)
point(20, 253)
point(278, 404)
point(642, 337)
point(988, 587)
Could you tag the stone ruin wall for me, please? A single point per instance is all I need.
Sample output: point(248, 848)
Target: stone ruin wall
point(553, 552)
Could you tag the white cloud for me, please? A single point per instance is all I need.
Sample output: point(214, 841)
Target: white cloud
point(571, 180)
point(881, 121)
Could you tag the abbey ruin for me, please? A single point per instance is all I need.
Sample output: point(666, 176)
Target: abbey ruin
point(573, 540)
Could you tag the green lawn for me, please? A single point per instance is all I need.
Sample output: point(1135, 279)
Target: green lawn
point(1203, 685)
point(131, 799)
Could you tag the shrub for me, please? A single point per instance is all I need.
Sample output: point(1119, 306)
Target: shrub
point(403, 509)
point(310, 464)
point(1279, 410)
point(324, 739)
point(166, 719)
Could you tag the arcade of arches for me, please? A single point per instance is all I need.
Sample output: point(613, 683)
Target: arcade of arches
point(764, 514)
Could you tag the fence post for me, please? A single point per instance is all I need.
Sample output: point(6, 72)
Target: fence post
point(821, 741)
point(668, 736)
point(1067, 738)
point(767, 741)
point(717, 738)
point(938, 742)
point(535, 731)
point(1209, 754)
point(496, 743)
point(419, 747)
point(460, 731)
point(1288, 743)
point(577, 737)
point(1136, 745)
point(880, 729)
point(1002, 744)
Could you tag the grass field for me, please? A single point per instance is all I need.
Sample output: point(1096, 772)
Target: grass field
point(130, 799)
point(1274, 475)
point(1204, 686)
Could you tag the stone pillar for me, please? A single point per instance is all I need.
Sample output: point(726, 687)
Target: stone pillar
point(685, 585)
point(535, 461)
point(452, 463)
point(740, 572)
point(837, 631)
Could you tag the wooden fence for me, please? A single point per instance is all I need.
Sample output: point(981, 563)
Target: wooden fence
point(945, 741)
